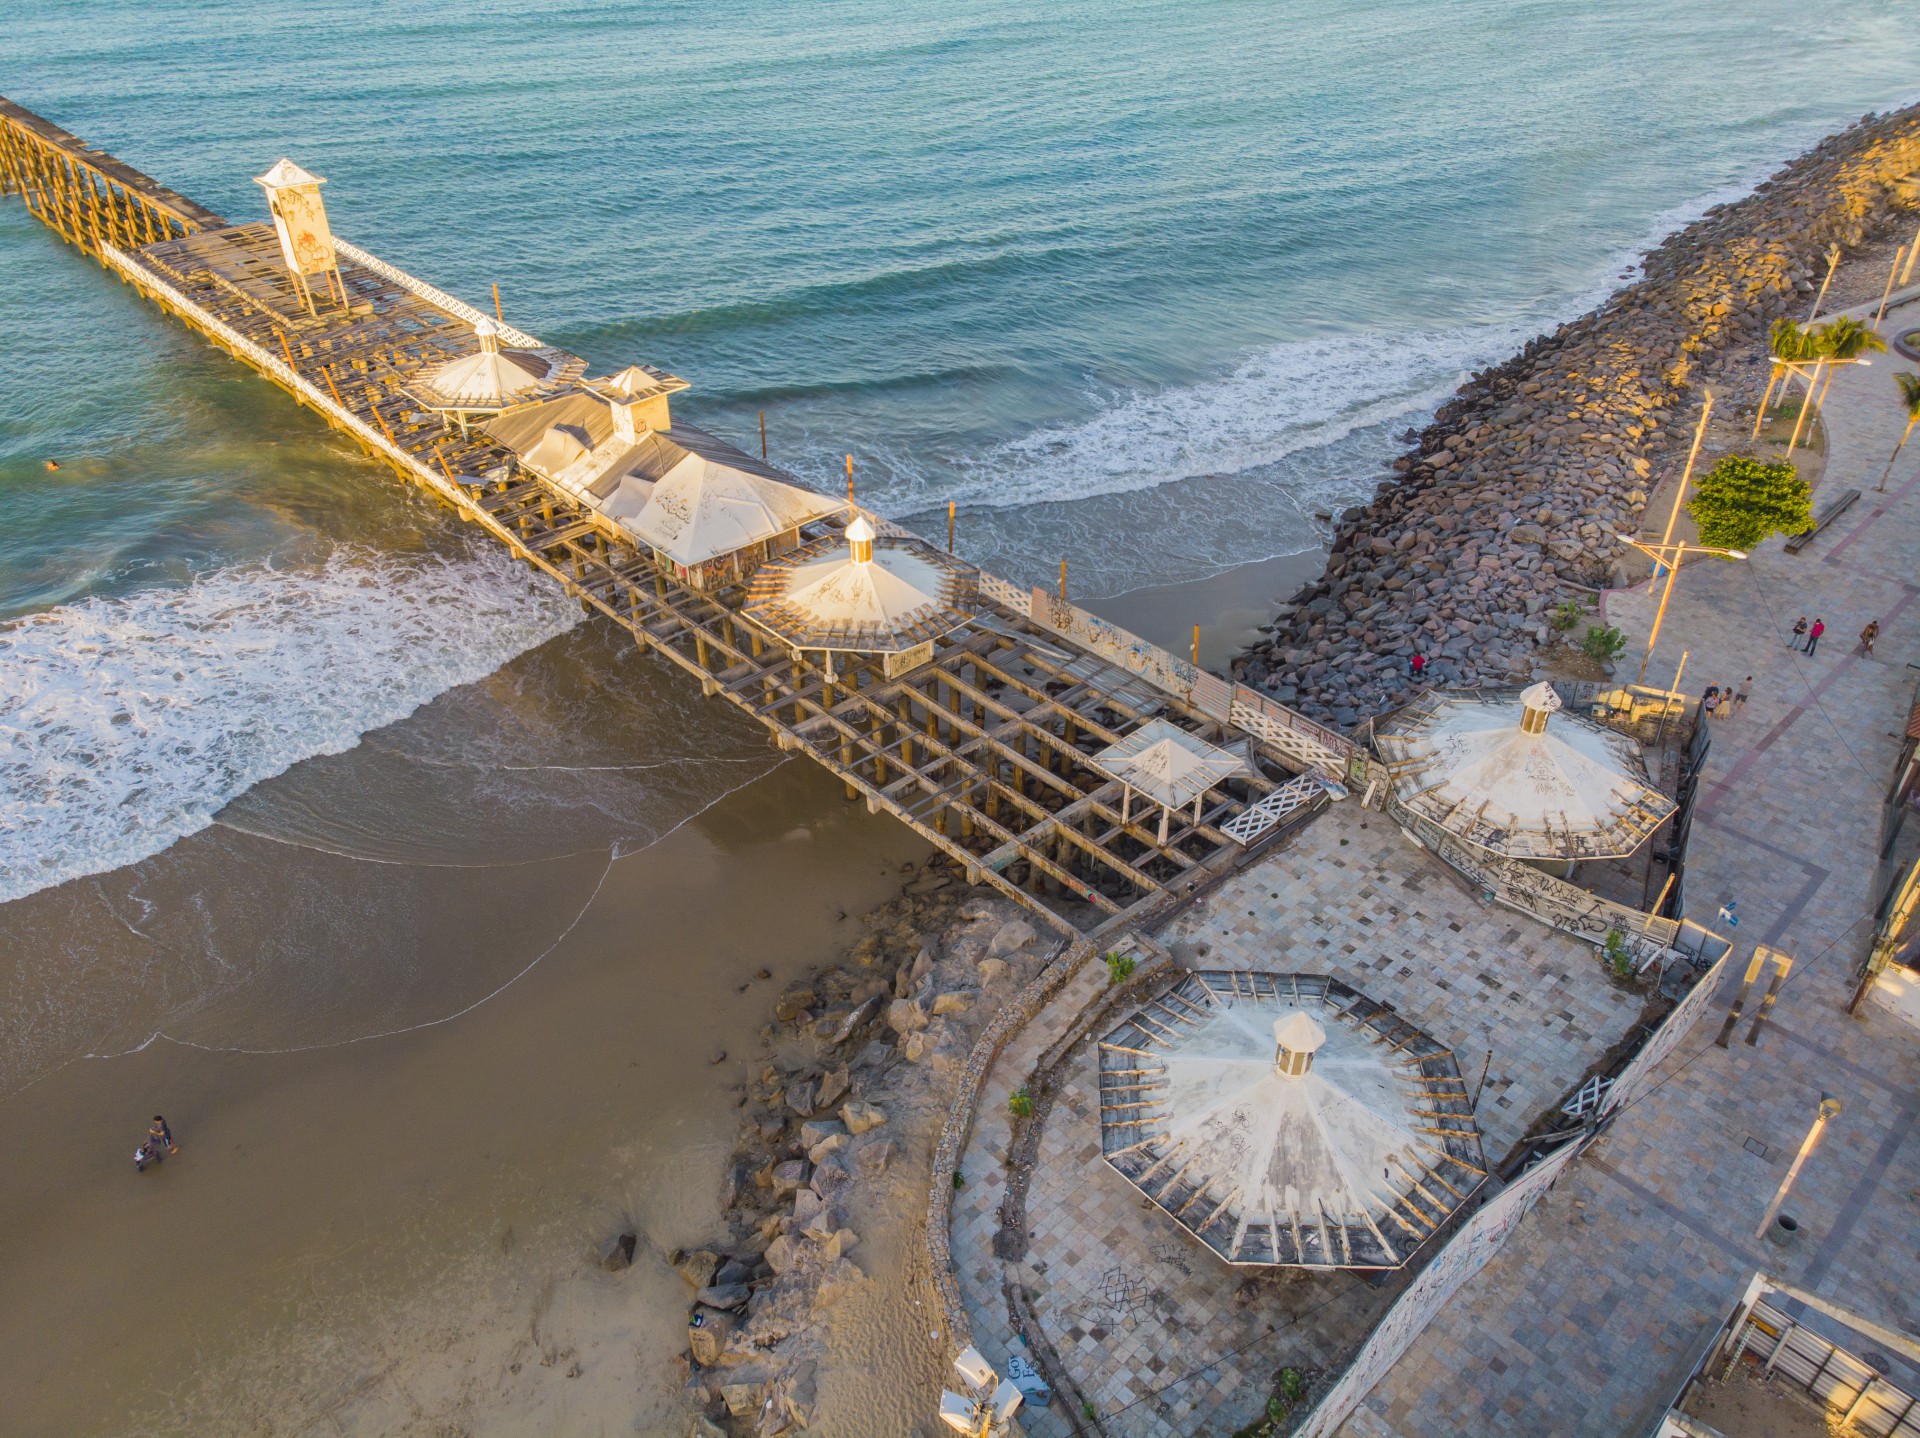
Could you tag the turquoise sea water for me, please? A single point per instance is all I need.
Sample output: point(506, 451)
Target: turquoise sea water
point(1140, 285)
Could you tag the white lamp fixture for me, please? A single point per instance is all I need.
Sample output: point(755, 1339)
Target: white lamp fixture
point(987, 1403)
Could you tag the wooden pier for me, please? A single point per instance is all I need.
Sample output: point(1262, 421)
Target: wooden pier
point(985, 750)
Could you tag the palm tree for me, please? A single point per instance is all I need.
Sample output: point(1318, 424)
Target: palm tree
point(1840, 341)
point(1790, 345)
point(1910, 400)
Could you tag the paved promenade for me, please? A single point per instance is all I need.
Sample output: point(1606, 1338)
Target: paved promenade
point(1588, 1320)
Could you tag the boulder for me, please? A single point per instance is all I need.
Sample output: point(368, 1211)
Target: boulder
point(827, 1147)
point(789, 1176)
point(705, 1427)
point(783, 1253)
point(814, 1130)
point(843, 1030)
point(831, 1178)
point(840, 1279)
point(806, 1203)
point(1012, 935)
point(742, 1399)
point(860, 1116)
point(803, 1097)
point(837, 1243)
point(872, 1158)
point(725, 1295)
point(833, 1087)
point(956, 1002)
point(617, 1252)
point(906, 1016)
point(992, 970)
point(793, 1003)
point(707, 1332)
point(697, 1267)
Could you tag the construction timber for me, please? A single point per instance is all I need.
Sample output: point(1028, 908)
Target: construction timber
point(984, 751)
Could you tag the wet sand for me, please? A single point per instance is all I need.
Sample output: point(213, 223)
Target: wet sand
point(375, 1235)
point(388, 1234)
point(1228, 606)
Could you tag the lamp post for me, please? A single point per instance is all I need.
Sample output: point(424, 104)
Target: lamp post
point(1671, 556)
point(986, 1403)
point(1829, 1108)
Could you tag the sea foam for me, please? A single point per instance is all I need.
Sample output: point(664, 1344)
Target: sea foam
point(127, 723)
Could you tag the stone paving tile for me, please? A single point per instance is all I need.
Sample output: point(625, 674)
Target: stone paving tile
point(1353, 897)
point(1603, 1296)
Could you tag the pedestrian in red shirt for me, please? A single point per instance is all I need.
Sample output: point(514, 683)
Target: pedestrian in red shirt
point(1813, 634)
point(1416, 663)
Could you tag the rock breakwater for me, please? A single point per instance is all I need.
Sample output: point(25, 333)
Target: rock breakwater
point(1512, 496)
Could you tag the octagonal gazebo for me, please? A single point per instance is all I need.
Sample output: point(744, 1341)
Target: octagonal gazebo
point(1288, 1119)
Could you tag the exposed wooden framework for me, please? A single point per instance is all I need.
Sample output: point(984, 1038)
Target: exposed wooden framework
point(983, 751)
point(1399, 1213)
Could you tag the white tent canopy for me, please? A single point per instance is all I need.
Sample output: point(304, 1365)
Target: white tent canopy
point(1168, 765)
point(1493, 771)
point(701, 509)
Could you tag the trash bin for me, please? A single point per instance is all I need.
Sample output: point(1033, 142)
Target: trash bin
point(1784, 1230)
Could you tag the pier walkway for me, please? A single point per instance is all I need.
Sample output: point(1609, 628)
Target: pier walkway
point(984, 750)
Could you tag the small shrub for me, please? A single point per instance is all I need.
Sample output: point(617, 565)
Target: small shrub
point(1293, 1386)
point(959, 1180)
point(1603, 643)
point(1565, 616)
point(1741, 501)
point(1617, 954)
point(1020, 1103)
point(1086, 1408)
point(1119, 967)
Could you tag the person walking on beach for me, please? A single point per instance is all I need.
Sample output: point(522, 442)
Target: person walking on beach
point(1799, 633)
point(160, 1133)
point(1813, 634)
point(1868, 635)
point(1740, 694)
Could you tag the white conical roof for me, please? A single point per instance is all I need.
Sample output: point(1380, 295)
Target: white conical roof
point(1333, 1166)
point(701, 509)
point(1298, 1033)
point(285, 174)
point(1573, 789)
point(822, 597)
point(1167, 764)
point(487, 380)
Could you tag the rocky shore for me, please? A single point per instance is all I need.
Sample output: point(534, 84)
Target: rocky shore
point(836, 1142)
point(1509, 500)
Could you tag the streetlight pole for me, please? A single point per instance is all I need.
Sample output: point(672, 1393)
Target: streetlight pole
point(1669, 555)
point(1829, 1108)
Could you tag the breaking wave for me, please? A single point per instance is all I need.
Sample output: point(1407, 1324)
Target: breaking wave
point(127, 723)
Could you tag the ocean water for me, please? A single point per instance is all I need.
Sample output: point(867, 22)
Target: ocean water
point(1143, 286)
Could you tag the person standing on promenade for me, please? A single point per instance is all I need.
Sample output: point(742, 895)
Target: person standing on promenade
point(1710, 701)
point(1813, 634)
point(1740, 694)
point(1868, 635)
point(1799, 633)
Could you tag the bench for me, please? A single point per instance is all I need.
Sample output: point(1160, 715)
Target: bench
point(1822, 520)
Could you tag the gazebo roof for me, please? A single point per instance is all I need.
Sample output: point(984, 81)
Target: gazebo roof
point(284, 174)
point(823, 597)
point(1476, 767)
point(1350, 1156)
point(1167, 764)
point(701, 509)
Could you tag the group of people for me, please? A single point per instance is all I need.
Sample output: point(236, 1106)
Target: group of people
point(1719, 701)
point(1806, 637)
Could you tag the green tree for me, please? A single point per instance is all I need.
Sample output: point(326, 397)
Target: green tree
point(1909, 401)
point(1837, 342)
point(1790, 345)
point(1740, 501)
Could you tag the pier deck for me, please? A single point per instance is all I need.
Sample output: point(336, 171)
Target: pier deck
point(984, 751)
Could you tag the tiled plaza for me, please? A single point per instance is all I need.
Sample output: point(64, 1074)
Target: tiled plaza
point(1587, 1322)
